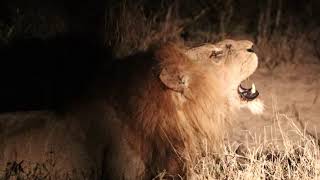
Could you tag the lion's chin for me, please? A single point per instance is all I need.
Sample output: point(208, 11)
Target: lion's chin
point(256, 106)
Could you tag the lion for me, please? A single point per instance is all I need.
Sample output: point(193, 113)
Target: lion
point(151, 112)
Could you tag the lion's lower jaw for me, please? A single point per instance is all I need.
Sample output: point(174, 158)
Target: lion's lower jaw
point(256, 106)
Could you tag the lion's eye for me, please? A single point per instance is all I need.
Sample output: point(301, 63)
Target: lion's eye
point(216, 54)
point(228, 46)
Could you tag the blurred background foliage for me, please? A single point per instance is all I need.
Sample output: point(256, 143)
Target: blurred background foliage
point(284, 30)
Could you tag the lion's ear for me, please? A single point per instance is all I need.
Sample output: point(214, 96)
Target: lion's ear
point(174, 79)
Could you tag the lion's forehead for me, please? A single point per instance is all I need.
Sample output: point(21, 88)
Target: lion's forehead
point(233, 44)
point(225, 44)
point(215, 53)
point(203, 48)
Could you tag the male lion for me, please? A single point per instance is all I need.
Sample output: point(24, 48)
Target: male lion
point(154, 113)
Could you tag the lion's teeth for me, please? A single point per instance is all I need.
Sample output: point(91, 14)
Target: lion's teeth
point(253, 88)
point(240, 89)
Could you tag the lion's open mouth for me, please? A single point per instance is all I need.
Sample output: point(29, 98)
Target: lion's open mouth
point(248, 94)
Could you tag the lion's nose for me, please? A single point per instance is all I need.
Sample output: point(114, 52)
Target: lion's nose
point(252, 49)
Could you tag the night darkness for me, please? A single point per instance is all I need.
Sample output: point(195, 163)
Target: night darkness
point(54, 54)
point(42, 40)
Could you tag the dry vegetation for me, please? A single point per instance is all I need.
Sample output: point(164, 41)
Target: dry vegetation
point(257, 158)
point(24, 170)
point(280, 37)
point(265, 158)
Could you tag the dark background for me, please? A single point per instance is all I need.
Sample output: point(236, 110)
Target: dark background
point(53, 51)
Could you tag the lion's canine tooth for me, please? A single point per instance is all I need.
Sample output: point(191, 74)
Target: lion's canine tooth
point(253, 88)
point(240, 89)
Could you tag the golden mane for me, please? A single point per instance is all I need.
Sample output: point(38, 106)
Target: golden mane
point(171, 121)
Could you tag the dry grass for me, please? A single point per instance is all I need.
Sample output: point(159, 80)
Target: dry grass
point(30, 24)
point(263, 162)
point(24, 170)
point(134, 26)
point(295, 155)
point(129, 29)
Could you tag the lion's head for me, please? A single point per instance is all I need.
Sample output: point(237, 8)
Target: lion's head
point(204, 84)
point(235, 61)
